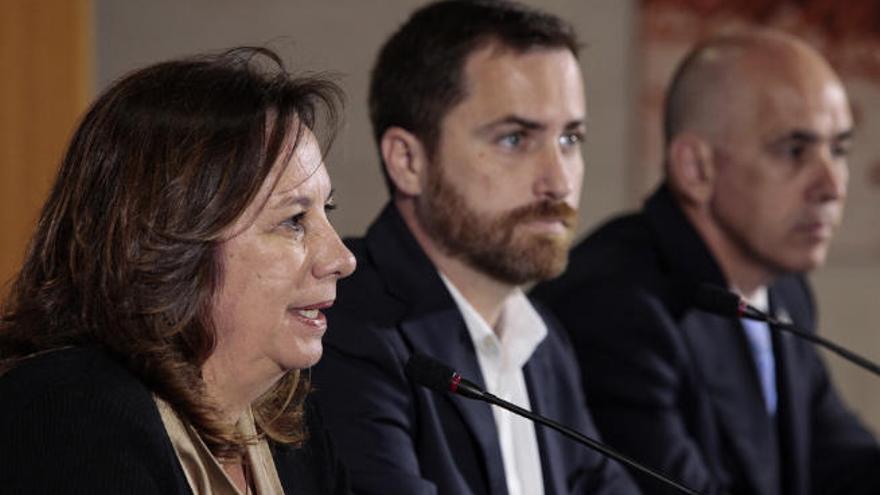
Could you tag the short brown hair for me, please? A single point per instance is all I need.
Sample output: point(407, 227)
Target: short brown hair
point(125, 253)
point(418, 75)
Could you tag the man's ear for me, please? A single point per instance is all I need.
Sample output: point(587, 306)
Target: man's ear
point(690, 168)
point(405, 160)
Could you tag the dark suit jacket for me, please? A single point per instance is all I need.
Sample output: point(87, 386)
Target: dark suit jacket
point(75, 421)
point(397, 437)
point(678, 387)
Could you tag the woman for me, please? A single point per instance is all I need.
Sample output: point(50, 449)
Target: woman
point(173, 290)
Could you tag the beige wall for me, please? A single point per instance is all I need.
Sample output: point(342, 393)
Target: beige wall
point(344, 35)
point(849, 300)
point(45, 59)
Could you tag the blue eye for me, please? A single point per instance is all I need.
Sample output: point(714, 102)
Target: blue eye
point(571, 139)
point(511, 140)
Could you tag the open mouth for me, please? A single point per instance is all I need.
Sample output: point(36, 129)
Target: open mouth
point(312, 314)
point(309, 313)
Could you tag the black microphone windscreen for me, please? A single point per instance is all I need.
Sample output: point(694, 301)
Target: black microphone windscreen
point(429, 372)
point(717, 300)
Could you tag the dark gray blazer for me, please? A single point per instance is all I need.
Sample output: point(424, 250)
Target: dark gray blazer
point(677, 387)
point(397, 437)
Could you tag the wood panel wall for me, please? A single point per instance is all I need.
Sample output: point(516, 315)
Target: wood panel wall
point(45, 84)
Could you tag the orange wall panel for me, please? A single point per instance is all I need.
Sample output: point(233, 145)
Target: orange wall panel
point(45, 84)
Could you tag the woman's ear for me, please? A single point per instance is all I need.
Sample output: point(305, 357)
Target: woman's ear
point(404, 160)
point(690, 168)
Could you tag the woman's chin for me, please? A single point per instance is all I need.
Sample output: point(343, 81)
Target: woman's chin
point(305, 357)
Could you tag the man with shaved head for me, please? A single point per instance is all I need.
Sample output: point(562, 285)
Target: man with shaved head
point(757, 131)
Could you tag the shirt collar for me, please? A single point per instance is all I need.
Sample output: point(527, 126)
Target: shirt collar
point(759, 299)
point(522, 328)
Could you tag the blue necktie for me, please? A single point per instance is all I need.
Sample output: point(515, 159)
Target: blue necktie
point(762, 351)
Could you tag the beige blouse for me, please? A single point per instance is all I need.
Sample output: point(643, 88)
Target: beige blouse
point(203, 471)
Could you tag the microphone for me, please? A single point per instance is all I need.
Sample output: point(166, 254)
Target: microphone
point(436, 376)
point(722, 302)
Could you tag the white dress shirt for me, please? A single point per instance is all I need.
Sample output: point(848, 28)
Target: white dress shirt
point(501, 355)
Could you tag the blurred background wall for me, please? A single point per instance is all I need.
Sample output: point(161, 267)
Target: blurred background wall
point(56, 54)
point(343, 37)
point(46, 74)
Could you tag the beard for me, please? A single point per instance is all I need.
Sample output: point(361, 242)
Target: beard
point(490, 243)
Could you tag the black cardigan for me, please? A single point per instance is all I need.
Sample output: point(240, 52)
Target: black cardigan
point(76, 421)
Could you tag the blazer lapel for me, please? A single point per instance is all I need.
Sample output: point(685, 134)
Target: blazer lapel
point(444, 337)
point(535, 372)
point(719, 347)
point(434, 326)
point(724, 360)
point(794, 395)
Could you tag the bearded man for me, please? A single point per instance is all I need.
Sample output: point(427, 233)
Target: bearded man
point(478, 110)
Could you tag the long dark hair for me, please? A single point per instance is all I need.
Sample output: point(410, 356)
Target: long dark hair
point(125, 253)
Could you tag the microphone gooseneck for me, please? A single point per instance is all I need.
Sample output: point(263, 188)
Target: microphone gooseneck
point(430, 373)
point(722, 302)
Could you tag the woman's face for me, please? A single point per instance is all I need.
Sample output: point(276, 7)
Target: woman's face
point(280, 263)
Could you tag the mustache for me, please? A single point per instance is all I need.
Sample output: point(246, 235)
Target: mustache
point(544, 210)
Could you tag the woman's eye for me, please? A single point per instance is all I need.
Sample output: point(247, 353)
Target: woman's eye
point(294, 223)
